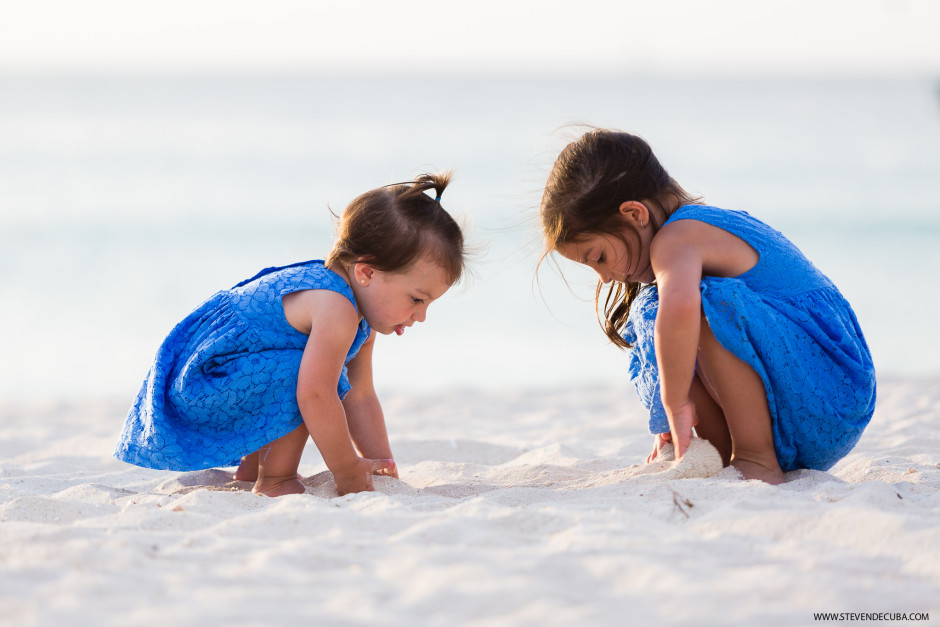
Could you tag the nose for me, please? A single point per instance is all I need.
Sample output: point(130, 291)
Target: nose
point(421, 314)
point(605, 277)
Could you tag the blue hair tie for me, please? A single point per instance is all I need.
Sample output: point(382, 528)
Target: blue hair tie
point(438, 199)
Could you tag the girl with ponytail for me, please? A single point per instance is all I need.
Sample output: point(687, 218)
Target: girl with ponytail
point(255, 370)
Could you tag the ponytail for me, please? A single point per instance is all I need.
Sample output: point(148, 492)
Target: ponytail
point(392, 226)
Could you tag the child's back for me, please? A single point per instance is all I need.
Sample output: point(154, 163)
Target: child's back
point(224, 381)
point(733, 332)
point(258, 369)
point(788, 322)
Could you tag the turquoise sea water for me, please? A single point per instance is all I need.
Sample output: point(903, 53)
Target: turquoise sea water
point(126, 201)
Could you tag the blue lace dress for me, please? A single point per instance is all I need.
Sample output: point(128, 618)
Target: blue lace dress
point(224, 382)
point(792, 326)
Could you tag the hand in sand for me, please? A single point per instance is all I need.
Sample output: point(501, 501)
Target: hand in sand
point(681, 422)
point(358, 477)
point(659, 442)
point(387, 468)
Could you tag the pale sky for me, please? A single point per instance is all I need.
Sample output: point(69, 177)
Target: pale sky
point(484, 36)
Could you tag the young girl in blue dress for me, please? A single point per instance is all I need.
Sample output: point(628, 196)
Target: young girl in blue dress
point(254, 371)
point(732, 330)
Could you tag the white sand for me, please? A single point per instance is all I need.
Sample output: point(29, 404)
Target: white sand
point(513, 509)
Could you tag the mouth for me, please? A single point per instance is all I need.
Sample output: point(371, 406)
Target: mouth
point(399, 329)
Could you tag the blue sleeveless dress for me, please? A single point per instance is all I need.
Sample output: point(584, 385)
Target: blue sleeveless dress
point(224, 381)
point(792, 326)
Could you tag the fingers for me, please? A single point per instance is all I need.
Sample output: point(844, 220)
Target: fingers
point(680, 442)
point(356, 482)
point(682, 448)
point(681, 423)
point(383, 467)
point(656, 446)
point(659, 440)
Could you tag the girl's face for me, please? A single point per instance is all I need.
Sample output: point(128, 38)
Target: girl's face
point(612, 257)
point(623, 256)
point(392, 301)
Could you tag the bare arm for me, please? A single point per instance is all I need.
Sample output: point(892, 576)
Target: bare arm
point(677, 263)
point(333, 323)
point(333, 326)
point(681, 254)
point(363, 410)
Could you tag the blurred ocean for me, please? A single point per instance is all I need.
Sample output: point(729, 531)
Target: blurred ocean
point(124, 202)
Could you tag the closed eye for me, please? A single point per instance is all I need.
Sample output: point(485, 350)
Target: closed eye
point(417, 301)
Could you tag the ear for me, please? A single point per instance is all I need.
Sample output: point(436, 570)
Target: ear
point(636, 213)
point(363, 273)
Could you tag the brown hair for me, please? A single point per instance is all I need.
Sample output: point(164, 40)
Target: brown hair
point(392, 226)
point(589, 181)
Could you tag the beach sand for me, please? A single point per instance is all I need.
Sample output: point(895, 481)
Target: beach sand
point(513, 508)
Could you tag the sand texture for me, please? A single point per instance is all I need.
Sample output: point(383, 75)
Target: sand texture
point(520, 508)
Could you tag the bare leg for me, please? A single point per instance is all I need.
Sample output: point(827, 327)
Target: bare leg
point(248, 468)
point(277, 464)
point(712, 425)
point(739, 392)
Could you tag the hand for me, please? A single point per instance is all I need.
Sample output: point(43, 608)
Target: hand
point(385, 468)
point(681, 422)
point(358, 476)
point(661, 439)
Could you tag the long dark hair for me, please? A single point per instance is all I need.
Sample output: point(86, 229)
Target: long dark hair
point(589, 181)
point(392, 226)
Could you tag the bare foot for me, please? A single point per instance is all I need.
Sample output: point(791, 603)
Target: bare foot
point(247, 469)
point(754, 470)
point(247, 475)
point(279, 486)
